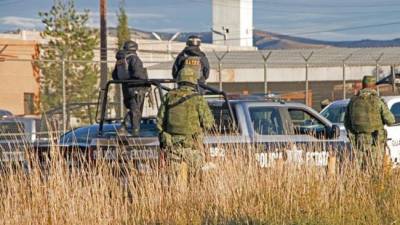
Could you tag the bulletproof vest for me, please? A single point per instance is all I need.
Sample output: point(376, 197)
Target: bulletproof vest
point(182, 113)
point(192, 62)
point(365, 114)
point(123, 65)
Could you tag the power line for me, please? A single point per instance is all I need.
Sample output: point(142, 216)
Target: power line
point(348, 28)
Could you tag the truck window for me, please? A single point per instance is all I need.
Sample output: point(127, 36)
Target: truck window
point(223, 120)
point(396, 111)
point(266, 120)
point(305, 123)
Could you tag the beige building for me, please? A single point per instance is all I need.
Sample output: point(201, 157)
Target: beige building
point(19, 77)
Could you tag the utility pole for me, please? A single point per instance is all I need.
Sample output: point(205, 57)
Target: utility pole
point(103, 43)
point(64, 96)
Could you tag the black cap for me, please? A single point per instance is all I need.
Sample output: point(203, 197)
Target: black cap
point(130, 46)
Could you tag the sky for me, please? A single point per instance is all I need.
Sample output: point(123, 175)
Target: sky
point(333, 20)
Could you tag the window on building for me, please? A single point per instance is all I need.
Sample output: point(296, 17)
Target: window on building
point(29, 106)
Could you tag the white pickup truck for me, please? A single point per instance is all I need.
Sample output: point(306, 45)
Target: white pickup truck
point(336, 110)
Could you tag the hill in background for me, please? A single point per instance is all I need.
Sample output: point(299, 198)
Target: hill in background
point(269, 40)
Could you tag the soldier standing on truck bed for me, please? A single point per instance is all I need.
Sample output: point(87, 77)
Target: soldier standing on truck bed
point(182, 119)
point(365, 117)
point(192, 56)
point(130, 67)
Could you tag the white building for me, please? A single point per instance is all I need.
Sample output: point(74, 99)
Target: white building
point(232, 22)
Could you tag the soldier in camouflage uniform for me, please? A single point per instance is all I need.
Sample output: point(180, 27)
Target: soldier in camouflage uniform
point(365, 117)
point(181, 121)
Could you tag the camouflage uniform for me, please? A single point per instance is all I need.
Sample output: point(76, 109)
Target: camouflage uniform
point(181, 121)
point(365, 117)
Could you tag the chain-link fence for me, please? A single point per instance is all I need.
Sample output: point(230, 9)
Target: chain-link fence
point(68, 90)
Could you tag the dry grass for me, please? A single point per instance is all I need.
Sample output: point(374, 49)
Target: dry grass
point(238, 192)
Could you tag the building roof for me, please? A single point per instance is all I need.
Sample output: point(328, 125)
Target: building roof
point(325, 57)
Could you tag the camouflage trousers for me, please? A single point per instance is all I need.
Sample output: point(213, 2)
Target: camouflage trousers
point(369, 149)
point(184, 156)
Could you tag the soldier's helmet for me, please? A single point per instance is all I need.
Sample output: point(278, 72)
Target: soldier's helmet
point(187, 75)
point(193, 40)
point(130, 46)
point(369, 80)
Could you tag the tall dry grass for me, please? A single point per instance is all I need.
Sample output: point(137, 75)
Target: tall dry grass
point(238, 192)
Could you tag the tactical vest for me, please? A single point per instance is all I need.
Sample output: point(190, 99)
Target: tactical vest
point(182, 114)
point(193, 62)
point(123, 67)
point(365, 114)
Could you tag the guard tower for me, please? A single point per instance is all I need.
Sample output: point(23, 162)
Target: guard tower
point(232, 22)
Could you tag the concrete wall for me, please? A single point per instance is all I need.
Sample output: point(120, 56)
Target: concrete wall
point(235, 19)
point(285, 74)
point(322, 80)
point(246, 22)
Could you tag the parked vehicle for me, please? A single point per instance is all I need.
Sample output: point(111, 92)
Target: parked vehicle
point(17, 134)
point(5, 114)
point(81, 137)
point(336, 110)
point(276, 129)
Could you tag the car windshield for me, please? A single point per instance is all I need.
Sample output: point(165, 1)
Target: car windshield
point(334, 113)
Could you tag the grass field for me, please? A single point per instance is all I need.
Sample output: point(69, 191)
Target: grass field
point(238, 192)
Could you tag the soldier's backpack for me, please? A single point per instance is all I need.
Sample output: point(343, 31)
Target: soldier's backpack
point(182, 116)
point(122, 65)
point(365, 113)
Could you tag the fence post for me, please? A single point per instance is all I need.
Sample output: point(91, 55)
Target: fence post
point(393, 79)
point(64, 97)
point(377, 69)
point(265, 58)
point(344, 74)
point(306, 59)
point(220, 58)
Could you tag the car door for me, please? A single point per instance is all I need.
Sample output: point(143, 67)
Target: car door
point(393, 133)
point(312, 135)
point(269, 132)
point(226, 134)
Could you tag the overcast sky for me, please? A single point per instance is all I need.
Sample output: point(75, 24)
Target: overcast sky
point(334, 20)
